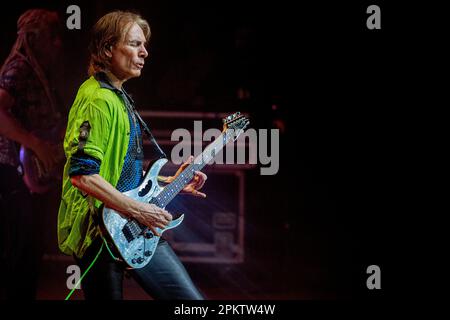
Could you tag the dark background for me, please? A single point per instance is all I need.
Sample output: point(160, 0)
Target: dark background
point(315, 72)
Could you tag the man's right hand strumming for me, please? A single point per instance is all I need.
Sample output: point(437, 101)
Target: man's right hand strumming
point(147, 214)
point(152, 216)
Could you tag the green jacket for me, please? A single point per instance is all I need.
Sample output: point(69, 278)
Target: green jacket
point(107, 141)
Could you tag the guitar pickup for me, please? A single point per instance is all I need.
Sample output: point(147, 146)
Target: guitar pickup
point(127, 233)
point(131, 230)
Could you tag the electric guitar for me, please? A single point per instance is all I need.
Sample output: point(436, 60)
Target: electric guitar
point(135, 242)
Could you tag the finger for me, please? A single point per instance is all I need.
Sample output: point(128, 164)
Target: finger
point(158, 209)
point(201, 175)
point(196, 178)
point(166, 214)
point(198, 194)
point(184, 165)
point(160, 225)
point(192, 184)
point(181, 168)
point(163, 219)
point(201, 179)
point(187, 162)
point(190, 188)
point(200, 185)
point(156, 233)
point(197, 185)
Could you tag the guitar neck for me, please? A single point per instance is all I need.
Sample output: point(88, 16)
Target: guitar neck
point(172, 189)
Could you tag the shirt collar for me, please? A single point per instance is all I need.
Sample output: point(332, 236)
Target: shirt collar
point(102, 78)
point(104, 82)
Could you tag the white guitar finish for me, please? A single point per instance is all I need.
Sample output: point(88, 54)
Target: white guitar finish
point(137, 243)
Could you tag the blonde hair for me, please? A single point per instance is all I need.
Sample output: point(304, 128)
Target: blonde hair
point(108, 31)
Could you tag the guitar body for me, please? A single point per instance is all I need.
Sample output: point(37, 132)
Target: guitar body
point(135, 242)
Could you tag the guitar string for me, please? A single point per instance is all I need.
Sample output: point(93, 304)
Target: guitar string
point(188, 172)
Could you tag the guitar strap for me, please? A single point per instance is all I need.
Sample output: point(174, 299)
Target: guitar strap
point(149, 134)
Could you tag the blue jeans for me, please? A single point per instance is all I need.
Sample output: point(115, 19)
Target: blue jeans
point(163, 278)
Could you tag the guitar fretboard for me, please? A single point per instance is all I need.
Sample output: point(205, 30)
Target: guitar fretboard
point(172, 189)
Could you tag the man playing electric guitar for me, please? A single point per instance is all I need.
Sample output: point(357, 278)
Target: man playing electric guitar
point(103, 146)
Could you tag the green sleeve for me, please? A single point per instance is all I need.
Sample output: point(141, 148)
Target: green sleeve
point(92, 129)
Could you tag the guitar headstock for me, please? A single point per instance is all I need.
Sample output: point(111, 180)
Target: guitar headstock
point(236, 122)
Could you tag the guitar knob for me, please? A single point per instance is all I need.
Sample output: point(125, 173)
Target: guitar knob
point(140, 260)
point(148, 234)
point(133, 261)
point(148, 253)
